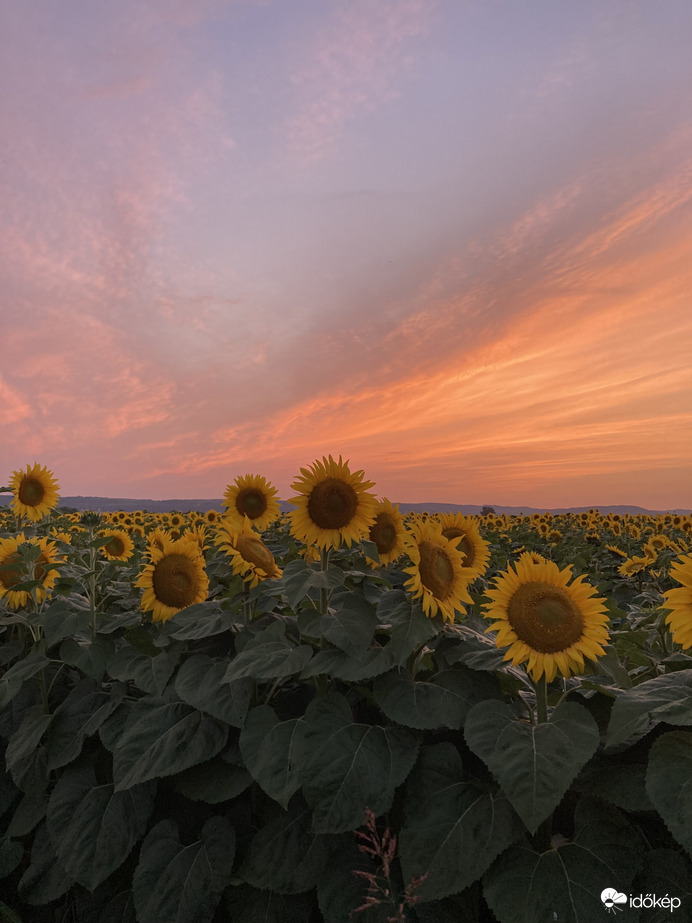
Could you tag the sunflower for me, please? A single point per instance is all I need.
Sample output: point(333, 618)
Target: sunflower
point(174, 579)
point(212, 516)
point(13, 569)
point(157, 537)
point(679, 602)
point(437, 570)
point(333, 505)
point(252, 496)
point(35, 492)
point(533, 556)
point(199, 534)
point(249, 556)
point(463, 531)
point(548, 624)
point(387, 532)
point(119, 547)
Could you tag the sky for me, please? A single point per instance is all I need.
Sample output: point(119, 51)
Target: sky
point(449, 240)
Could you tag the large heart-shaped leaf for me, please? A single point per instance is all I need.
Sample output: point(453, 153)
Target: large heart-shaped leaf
point(663, 698)
point(565, 883)
point(348, 767)
point(669, 783)
point(271, 748)
point(174, 883)
point(454, 827)
point(534, 763)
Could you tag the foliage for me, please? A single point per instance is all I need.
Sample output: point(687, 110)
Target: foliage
point(317, 749)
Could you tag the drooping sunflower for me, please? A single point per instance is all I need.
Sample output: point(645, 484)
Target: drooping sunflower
point(437, 570)
point(249, 556)
point(120, 547)
point(13, 570)
point(387, 532)
point(679, 602)
point(463, 531)
point(548, 623)
point(35, 492)
point(253, 496)
point(174, 579)
point(333, 505)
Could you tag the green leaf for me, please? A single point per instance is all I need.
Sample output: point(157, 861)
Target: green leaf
point(285, 856)
point(29, 812)
point(669, 783)
point(213, 782)
point(664, 698)
point(271, 750)
point(89, 656)
point(443, 701)
point(77, 717)
point(253, 906)
point(565, 882)
point(61, 619)
point(620, 783)
point(7, 915)
point(164, 737)
point(268, 655)
point(534, 764)
point(120, 909)
point(350, 624)
point(299, 578)
point(11, 853)
point(347, 667)
point(200, 683)
point(410, 627)
point(25, 740)
point(45, 879)
point(349, 767)
point(454, 827)
point(174, 883)
point(12, 681)
point(94, 829)
point(665, 872)
point(151, 674)
point(202, 620)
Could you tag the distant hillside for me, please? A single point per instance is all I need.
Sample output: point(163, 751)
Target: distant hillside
point(112, 504)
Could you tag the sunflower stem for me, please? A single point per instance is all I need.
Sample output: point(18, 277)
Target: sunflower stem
point(541, 699)
point(324, 593)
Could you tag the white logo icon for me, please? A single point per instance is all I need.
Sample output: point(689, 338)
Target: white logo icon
point(611, 898)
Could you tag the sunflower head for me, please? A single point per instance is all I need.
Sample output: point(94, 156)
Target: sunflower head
point(35, 492)
point(463, 531)
point(252, 496)
point(545, 621)
point(250, 557)
point(119, 546)
point(679, 602)
point(437, 573)
point(23, 559)
point(387, 532)
point(174, 578)
point(333, 505)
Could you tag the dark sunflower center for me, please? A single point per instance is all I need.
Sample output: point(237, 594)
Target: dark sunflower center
point(255, 552)
point(251, 502)
point(465, 546)
point(31, 491)
point(116, 546)
point(333, 504)
point(436, 569)
point(545, 617)
point(383, 533)
point(175, 581)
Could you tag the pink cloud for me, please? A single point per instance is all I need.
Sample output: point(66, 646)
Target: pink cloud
point(352, 65)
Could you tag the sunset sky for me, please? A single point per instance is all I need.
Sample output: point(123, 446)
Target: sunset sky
point(450, 240)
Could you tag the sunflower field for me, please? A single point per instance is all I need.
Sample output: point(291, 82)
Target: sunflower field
point(342, 713)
